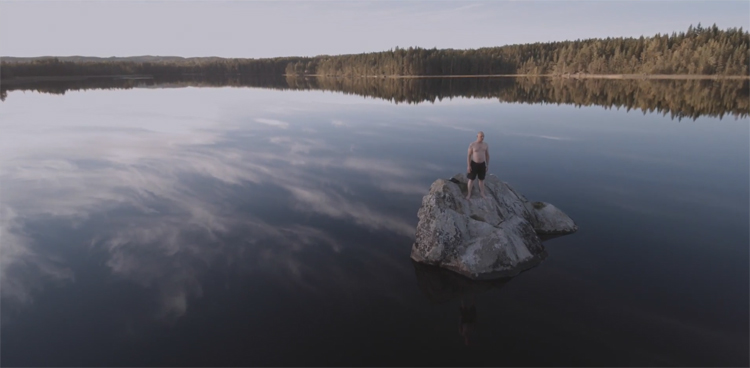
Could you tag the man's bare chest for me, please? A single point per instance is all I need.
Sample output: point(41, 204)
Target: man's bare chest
point(478, 147)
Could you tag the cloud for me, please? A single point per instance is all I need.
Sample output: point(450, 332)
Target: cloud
point(403, 187)
point(273, 122)
point(553, 138)
point(375, 167)
point(541, 136)
point(302, 145)
point(337, 206)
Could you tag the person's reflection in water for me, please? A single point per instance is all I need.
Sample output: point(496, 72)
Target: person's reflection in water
point(445, 286)
point(467, 318)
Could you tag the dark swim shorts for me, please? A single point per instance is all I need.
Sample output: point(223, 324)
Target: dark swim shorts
point(477, 170)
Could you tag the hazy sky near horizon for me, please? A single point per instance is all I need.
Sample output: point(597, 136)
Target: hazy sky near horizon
point(256, 29)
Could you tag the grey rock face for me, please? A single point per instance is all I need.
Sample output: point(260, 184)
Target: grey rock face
point(484, 238)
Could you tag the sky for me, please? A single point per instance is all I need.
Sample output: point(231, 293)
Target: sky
point(258, 29)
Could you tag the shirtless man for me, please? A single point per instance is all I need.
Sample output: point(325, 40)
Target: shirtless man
point(477, 163)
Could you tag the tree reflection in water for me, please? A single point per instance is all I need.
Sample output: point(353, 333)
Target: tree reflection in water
point(689, 98)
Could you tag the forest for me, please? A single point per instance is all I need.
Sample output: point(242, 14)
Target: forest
point(697, 51)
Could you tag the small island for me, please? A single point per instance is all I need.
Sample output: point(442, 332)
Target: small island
point(482, 238)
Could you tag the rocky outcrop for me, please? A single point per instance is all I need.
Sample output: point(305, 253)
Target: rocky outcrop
point(484, 238)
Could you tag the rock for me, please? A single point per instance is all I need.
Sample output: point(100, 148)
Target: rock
point(484, 238)
point(549, 220)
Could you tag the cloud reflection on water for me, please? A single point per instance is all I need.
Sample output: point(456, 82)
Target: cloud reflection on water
point(163, 200)
point(23, 269)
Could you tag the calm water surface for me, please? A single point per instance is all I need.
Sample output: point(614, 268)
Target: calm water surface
point(244, 226)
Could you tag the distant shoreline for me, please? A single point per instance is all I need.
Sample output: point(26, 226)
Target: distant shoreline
point(72, 78)
point(563, 76)
point(17, 80)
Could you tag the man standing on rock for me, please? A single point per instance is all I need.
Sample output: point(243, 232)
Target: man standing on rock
point(477, 163)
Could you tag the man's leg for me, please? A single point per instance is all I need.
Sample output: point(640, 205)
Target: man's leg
point(468, 185)
point(481, 188)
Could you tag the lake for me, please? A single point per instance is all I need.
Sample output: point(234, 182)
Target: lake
point(225, 224)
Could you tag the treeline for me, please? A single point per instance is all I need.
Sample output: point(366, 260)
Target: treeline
point(704, 51)
point(678, 98)
point(53, 67)
point(697, 51)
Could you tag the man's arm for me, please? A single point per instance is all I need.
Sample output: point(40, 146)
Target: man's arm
point(468, 160)
point(487, 156)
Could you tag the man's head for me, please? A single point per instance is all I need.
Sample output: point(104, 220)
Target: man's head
point(480, 136)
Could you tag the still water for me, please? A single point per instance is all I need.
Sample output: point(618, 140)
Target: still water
point(260, 227)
